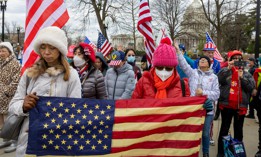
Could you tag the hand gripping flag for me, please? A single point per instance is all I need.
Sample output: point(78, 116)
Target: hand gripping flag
point(40, 14)
point(137, 127)
point(145, 28)
point(217, 55)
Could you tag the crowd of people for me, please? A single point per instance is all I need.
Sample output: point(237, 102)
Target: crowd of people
point(83, 73)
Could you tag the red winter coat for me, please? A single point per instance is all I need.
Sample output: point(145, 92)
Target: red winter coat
point(145, 88)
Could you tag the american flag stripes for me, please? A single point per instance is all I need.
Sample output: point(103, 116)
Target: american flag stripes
point(217, 55)
point(145, 28)
point(86, 40)
point(40, 14)
point(103, 45)
point(133, 128)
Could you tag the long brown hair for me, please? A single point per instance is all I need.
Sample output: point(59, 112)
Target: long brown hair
point(41, 66)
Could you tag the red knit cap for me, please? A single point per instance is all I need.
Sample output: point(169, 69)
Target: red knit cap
point(165, 54)
point(232, 53)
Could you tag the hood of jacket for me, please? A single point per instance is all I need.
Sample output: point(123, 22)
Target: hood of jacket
point(100, 55)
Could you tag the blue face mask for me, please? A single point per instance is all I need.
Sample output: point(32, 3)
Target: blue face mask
point(131, 59)
point(69, 60)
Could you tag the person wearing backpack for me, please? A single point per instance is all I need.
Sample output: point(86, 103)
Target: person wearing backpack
point(202, 81)
point(163, 80)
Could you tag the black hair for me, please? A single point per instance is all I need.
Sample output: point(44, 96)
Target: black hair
point(207, 58)
point(127, 50)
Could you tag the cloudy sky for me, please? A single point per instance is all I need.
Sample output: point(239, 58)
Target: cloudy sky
point(16, 12)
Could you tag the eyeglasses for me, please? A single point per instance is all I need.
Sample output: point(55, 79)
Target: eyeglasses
point(131, 55)
point(166, 68)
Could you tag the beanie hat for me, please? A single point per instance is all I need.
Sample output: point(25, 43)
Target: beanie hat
point(8, 46)
point(88, 51)
point(165, 54)
point(252, 59)
point(70, 51)
point(233, 53)
point(54, 36)
point(209, 47)
point(207, 58)
point(144, 58)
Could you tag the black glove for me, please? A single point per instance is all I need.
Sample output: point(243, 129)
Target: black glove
point(208, 105)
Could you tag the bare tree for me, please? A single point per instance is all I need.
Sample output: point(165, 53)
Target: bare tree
point(169, 14)
point(7, 29)
point(105, 10)
point(14, 26)
point(218, 11)
point(127, 18)
point(68, 32)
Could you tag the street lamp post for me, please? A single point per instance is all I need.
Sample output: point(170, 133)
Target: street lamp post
point(3, 8)
point(257, 29)
point(18, 35)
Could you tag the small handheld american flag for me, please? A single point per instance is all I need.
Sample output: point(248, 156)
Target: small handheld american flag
point(103, 45)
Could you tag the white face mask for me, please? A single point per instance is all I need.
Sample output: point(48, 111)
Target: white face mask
point(163, 74)
point(78, 62)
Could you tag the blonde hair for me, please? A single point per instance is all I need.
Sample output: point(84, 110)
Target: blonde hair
point(41, 66)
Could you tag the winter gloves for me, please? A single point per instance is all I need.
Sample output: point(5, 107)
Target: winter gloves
point(208, 105)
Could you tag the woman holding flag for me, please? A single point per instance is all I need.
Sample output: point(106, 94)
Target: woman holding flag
point(202, 81)
point(51, 75)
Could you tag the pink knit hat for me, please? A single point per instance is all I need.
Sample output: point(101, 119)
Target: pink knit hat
point(165, 54)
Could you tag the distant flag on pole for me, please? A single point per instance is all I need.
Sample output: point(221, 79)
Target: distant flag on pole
point(86, 40)
point(145, 28)
point(41, 14)
point(217, 55)
point(103, 45)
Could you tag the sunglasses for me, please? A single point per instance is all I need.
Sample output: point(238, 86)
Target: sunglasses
point(131, 55)
point(166, 68)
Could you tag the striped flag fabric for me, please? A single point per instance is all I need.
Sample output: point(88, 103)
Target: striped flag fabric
point(41, 14)
point(103, 45)
point(86, 40)
point(145, 28)
point(217, 55)
point(108, 128)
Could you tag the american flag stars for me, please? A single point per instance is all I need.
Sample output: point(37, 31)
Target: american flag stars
point(76, 127)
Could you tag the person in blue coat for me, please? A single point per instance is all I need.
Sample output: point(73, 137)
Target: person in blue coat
point(209, 50)
point(182, 49)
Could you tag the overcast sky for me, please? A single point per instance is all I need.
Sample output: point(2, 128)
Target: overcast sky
point(16, 11)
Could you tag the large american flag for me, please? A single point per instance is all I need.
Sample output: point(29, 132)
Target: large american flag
point(40, 14)
point(217, 55)
point(103, 45)
point(86, 40)
point(145, 28)
point(135, 127)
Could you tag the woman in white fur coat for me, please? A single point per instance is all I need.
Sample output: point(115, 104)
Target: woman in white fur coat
point(50, 76)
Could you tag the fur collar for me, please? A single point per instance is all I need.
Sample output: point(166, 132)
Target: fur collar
point(37, 70)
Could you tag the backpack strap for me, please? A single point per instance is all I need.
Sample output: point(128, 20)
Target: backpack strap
point(182, 87)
